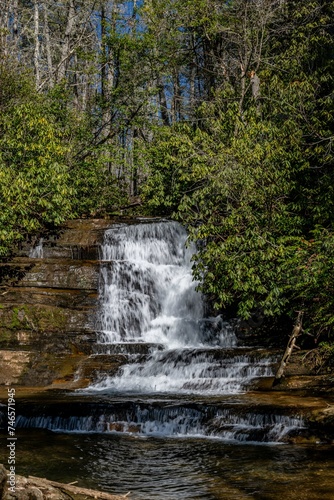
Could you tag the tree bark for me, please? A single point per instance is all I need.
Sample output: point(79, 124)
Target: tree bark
point(4, 16)
point(15, 23)
point(289, 348)
point(76, 489)
point(36, 40)
point(163, 102)
point(65, 50)
point(48, 46)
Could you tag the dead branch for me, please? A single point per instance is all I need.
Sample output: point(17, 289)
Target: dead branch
point(297, 329)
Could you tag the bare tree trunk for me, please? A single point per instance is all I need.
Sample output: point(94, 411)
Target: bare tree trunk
point(75, 83)
point(4, 17)
point(88, 493)
point(65, 50)
point(107, 76)
point(163, 103)
point(15, 23)
point(104, 53)
point(289, 348)
point(179, 107)
point(176, 100)
point(84, 90)
point(36, 40)
point(192, 79)
point(108, 63)
point(48, 46)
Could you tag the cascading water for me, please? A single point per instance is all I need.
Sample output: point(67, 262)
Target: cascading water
point(147, 290)
point(180, 421)
point(148, 295)
point(36, 252)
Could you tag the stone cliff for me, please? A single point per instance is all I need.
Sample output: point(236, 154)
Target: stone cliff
point(48, 307)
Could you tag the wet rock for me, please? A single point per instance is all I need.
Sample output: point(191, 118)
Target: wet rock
point(42, 327)
point(47, 312)
point(72, 275)
point(133, 348)
point(93, 367)
point(314, 383)
point(68, 298)
point(12, 366)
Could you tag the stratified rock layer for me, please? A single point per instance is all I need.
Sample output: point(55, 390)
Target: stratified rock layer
point(48, 309)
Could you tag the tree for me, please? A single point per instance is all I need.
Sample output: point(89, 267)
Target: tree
point(252, 178)
point(218, 112)
point(34, 179)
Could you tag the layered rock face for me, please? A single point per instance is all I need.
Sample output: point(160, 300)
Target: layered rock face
point(48, 307)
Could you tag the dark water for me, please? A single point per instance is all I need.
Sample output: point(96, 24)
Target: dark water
point(174, 468)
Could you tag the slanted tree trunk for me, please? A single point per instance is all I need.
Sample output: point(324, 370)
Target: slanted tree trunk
point(297, 329)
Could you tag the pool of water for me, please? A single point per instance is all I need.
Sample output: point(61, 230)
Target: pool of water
point(189, 468)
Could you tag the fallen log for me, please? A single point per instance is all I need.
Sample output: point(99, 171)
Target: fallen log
point(22, 488)
point(297, 329)
point(76, 490)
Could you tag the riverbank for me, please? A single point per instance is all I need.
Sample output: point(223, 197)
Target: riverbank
point(20, 488)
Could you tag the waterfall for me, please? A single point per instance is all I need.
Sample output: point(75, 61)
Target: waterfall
point(36, 252)
point(147, 292)
point(177, 421)
point(176, 407)
point(148, 295)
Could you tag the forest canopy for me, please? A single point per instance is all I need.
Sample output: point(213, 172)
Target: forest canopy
point(216, 113)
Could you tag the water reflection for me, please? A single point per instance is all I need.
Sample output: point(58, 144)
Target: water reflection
point(171, 469)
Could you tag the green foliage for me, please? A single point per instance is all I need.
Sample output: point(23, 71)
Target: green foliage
point(314, 279)
point(241, 212)
point(321, 359)
point(167, 158)
point(34, 182)
point(50, 167)
point(97, 190)
point(253, 181)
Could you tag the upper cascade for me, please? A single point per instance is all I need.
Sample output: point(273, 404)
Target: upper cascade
point(147, 290)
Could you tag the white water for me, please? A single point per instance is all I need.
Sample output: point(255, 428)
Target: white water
point(148, 295)
point(174, 421)
point(147, 292)
point(36, 252)
point(169, 371)
point(151, 313)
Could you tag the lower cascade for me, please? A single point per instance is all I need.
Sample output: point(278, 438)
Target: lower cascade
point(172, 421)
